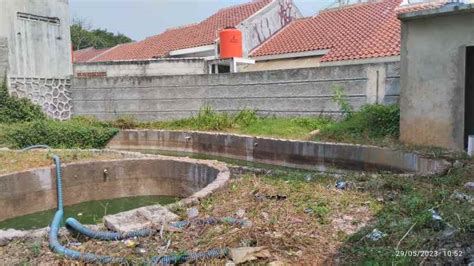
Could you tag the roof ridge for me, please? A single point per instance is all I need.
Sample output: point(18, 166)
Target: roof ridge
point(275, 34)
point(85, 49)
point(354, 5)
point(421, 5)
point(182, 26)
point(106, 51)
point(243, 4)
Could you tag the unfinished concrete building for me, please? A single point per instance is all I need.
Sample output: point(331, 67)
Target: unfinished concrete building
point(437, 76)
point(36, 50)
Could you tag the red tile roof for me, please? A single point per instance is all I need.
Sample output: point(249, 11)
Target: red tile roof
point(352, 32)
point(84, 55)
point(200, 34)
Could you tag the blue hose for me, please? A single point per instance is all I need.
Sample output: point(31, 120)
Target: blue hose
point(76, 226)
point(73, 224)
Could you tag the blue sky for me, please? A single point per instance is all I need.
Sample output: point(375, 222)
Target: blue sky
point(142, 18)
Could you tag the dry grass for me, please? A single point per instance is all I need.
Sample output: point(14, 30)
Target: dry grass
point(13, 161)
point(298, 229)
point(315, 224)
point(307, 227)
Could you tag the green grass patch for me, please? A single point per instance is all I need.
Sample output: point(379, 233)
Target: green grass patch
point(297, 128)
point(245, 121)
point(374, 124)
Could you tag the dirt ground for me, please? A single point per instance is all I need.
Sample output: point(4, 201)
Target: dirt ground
point(303, 219)
point(15, 160)
point(299, 222)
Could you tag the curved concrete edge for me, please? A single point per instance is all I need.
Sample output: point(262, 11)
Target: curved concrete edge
point(310, 155)
point(42, 180)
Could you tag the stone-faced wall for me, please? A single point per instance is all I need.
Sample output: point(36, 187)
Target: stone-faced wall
point(53, 95)
point(433, 75)
point(290, 92)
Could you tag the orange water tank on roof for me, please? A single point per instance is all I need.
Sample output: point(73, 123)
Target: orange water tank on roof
point(231, 43)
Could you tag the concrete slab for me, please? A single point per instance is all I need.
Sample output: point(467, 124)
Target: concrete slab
point(141, 218)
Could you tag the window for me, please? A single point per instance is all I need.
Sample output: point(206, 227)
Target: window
point(31, 17)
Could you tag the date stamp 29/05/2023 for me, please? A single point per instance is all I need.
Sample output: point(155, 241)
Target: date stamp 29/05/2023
point(429, 253)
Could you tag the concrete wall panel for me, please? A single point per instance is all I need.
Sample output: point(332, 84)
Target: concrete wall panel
point(282, 92)
point(142, 68)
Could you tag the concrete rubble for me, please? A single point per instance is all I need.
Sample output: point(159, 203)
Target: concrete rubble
point(8, 235)
point(469, 185)
point(141, 218)
point(462, 197)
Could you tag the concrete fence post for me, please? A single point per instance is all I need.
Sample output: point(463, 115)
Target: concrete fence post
point(376, 75)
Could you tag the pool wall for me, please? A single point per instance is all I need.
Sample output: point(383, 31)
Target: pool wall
point(322, 156)
point(35, 190)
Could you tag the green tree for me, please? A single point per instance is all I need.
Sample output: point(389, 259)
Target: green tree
point(83, 36)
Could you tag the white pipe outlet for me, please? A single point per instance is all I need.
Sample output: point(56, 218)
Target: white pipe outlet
point(470, 145)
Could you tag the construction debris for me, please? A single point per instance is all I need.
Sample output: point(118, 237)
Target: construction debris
point(375, 235)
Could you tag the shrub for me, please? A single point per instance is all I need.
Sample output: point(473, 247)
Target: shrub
point(14, 109)
point(246, 117)
point(67, 134)
point(209, 119)
point(371, 122)
point(125, 122)
point(206, 119)
point(340, 99)
point(89, 120)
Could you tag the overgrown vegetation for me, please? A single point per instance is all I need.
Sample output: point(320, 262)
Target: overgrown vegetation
point(66, 134)
point(13, 110)
point(246, 121)
point(309, 221)
point(373, 124)
point(22, 123)
point(409, 224)
point(339, 98)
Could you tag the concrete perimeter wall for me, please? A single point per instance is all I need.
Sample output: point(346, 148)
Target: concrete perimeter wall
point(281, 92)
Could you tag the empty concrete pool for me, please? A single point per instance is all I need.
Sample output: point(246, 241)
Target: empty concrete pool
point(33, 191)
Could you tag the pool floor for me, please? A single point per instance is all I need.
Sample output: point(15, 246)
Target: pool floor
point(90, 212)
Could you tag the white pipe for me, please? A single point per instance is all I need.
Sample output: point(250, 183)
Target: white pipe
point(470, 145)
